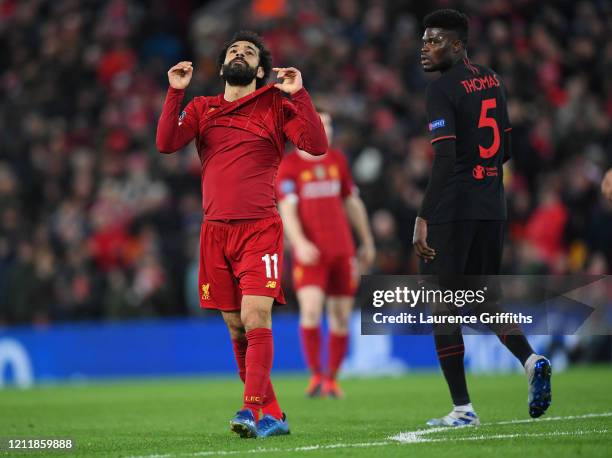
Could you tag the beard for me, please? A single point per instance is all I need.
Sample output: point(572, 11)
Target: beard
point(238, 74)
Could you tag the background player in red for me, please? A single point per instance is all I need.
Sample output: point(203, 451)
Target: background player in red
point(317, 200)
point(240, 136)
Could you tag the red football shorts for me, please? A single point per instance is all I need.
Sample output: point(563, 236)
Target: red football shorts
point(336, 277)
point(240, 258)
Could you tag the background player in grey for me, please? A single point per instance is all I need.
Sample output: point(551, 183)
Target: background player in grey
point(460, 227)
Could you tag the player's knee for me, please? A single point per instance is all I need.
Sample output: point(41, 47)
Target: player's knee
point(310, 317)
point(339, 314)
point(234, 325)
point(256, 318)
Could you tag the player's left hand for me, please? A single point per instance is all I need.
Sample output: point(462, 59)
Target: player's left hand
point(292, 79)
point(419, 240)
point(366, 255)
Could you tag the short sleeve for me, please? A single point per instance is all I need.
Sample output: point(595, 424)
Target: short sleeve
point(440, 114)
point(347, 186)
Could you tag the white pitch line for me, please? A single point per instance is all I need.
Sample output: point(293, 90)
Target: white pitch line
point(417, 436)
point(422, 440)
point(305, 448)
point(537, 420)
point(410, 437)
point(422, 432)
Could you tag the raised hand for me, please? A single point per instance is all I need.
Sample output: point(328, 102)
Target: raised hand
point(180, 75)
point(292, 79)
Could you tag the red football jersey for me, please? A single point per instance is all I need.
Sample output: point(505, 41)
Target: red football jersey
point(320, 186)
point(240, 144)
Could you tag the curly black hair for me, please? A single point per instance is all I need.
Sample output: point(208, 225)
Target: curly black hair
point(265, 58)
point(449, 20)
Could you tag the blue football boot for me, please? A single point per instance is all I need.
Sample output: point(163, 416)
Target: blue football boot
point(244, 424)
point(538, 371)
point(270, 426)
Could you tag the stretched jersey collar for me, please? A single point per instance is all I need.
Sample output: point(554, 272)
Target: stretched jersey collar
point(255, 93)
point(218, 106)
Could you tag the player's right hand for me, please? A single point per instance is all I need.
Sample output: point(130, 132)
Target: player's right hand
point(307, 252)
point(180, 75)
point(419, 240)
point(366, 254)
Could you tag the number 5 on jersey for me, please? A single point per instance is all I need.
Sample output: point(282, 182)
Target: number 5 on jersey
point(268, 260)
point(484, 121)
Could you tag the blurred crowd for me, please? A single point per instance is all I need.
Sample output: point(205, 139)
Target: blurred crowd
point(95, 224)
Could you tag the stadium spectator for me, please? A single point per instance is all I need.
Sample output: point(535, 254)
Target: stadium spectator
point(81, 90)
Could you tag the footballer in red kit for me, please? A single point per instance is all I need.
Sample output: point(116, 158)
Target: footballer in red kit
point(318, 203)
point(240, 136)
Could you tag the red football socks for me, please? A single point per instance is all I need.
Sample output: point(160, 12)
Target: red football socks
point(311, 346)
point(271, 406)
point(338, 345)
point(259, 357)
point(240, 349)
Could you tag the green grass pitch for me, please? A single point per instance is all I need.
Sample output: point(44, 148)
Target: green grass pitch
point(190, 418)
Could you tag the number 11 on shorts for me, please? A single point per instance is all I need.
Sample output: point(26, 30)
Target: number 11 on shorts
point(266, 259)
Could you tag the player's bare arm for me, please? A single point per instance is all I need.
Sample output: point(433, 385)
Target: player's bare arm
point(358, 216)
point(292, 79)
point(180, 75)
point(306, 252)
